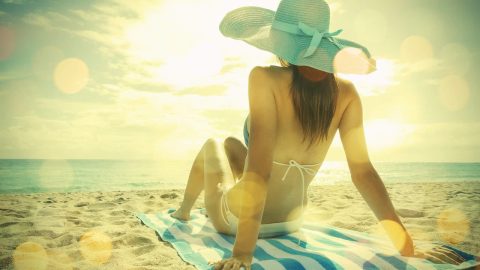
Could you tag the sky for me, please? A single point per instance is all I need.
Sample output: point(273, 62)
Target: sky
point(154, 79)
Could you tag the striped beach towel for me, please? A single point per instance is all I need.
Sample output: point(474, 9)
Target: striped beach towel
point(313, 247)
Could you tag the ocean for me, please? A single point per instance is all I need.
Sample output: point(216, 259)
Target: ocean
point(37, 175)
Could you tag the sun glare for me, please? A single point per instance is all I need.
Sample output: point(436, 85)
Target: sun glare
point(376, 82)
point(384, 133)
point(188, 54)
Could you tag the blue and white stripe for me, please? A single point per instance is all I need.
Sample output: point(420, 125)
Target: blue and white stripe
point(320, 247)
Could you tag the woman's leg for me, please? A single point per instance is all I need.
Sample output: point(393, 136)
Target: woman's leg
point(236, 153)
point(210, 164)
point(193, 189)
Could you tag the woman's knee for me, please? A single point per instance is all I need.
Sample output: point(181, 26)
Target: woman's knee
point(213, 158)
point(211, 144)
point(230, 140)
point(232, 144)
point(211, 141)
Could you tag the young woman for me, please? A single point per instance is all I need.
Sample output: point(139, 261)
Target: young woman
point(295, 112)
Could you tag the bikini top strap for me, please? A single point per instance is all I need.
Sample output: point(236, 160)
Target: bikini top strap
point(302, 168)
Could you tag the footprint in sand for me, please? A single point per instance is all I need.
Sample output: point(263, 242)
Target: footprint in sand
point(6, 224)
point(137, 240)
point(120, 200)
point(403, 212)
point(143, 250)
point(170, 195)
point(123, 213)
point(118, 222)
point(101, 206)
point(13, 213)
point(46, 234)
point(81, 204)
point(64, 240)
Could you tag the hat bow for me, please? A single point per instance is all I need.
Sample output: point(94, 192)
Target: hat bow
point(305, 29)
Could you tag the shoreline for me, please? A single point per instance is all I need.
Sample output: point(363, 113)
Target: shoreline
point(323, 183)
point(59, 222)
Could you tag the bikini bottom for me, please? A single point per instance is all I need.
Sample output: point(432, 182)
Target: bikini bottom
point(266, 230)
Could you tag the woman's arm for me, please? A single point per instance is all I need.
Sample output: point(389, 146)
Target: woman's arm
point(365, 177)
point(263, 124)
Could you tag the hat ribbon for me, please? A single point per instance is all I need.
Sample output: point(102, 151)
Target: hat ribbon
point(305, 29)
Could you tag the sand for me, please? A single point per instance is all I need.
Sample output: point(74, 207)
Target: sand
point(98, 230)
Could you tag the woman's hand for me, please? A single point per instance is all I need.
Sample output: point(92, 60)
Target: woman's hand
point(437, 254)
point(233, 263)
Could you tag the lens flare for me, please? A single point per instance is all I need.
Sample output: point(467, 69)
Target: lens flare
point(393, 231)
point(56, 174)
point(246, 193)
point(453, 225)
point(416, 48)
point(30, 255)
point(71, 75)
point(59, 260)
point(454, 92)
point(352, 60)
point(96, 247)
point(7, 42)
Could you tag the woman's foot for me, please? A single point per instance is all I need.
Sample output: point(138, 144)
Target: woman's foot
point(180, 214)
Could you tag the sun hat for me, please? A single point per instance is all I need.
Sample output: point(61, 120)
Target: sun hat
point(299, 33)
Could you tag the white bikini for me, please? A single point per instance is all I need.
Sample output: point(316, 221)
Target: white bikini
point(272, 229)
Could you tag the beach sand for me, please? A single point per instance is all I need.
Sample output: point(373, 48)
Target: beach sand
point(98, 230)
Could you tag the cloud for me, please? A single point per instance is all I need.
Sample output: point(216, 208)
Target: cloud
point(102, 24)
point(439, 142)
point(14, 2)
point(13, 75)
point(231, 63)
point(388, 75)
point(430, 65)
point(137, 125)
point(210, 90)
point(37, 20)
point(446, 135)
point(162, 83)
point(435, 142)
point(147, 46)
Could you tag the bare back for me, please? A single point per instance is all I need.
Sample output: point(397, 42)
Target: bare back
point(284, 197)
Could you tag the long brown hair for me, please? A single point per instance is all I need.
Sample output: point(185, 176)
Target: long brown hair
point(314, 95)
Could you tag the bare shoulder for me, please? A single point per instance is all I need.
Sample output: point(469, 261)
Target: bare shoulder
point(260, 83)
point(271, 77)
point(269, 72)
point(347, 89)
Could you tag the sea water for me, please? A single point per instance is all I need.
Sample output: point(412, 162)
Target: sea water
point(36, 175)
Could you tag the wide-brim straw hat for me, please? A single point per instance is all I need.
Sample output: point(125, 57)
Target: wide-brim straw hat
point(298, 32)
